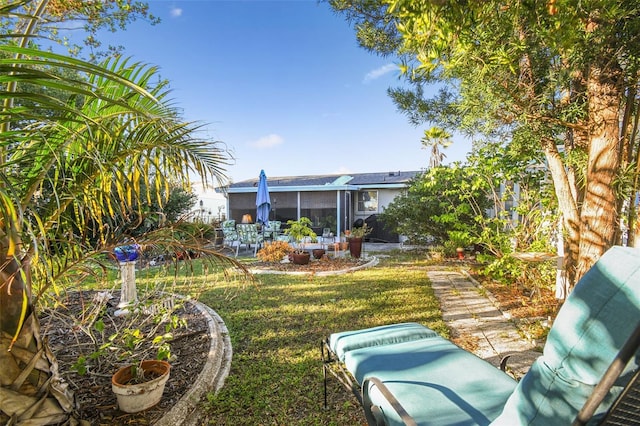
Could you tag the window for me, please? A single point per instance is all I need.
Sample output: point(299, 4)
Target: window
point(368, 201)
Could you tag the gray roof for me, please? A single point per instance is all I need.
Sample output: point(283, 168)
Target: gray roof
point(330, 182)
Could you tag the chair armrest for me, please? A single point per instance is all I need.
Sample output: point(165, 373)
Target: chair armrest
point(372, 413)
point(503, 362)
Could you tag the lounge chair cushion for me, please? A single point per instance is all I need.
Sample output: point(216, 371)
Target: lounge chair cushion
point(594, 322)
point(341, 343)
point(434, 380)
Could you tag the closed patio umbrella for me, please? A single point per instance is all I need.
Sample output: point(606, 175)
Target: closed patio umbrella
point(263, 201)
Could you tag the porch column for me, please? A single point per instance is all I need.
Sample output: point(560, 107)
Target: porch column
point(338, 221)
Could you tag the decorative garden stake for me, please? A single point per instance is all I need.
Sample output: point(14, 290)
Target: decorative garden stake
point(127, 256)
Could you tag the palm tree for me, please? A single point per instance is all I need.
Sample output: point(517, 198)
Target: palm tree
point(69, 168)
point(434, 138)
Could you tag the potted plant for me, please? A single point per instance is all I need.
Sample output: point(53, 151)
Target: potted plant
point(140, 386)
point(318, 253)
point(355, 238)
point(299, 230)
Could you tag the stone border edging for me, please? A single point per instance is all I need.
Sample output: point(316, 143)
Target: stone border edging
point(487, 293)
point(373, 262)
point(187, 410)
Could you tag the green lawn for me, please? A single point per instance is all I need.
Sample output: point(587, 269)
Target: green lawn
point(276, 327)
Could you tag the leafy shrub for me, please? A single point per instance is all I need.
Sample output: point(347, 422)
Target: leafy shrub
point(503, 269)
point(145, 333)
point(448, 248)
point(274, 251)
point(510, 271)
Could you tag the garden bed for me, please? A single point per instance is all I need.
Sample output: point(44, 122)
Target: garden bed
point(97, 404)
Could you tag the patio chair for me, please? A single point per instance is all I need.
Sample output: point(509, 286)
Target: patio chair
point(248, 235)
point(405, 374)
point(229, 234)
point(272, 230)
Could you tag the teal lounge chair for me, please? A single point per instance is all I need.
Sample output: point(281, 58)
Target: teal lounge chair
point(404, 374)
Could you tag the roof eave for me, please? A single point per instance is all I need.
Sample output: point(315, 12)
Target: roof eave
point(317, 188)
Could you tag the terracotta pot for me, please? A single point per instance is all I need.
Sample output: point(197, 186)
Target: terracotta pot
point(134, 397)
point(318, 253)
point(355, 247)
point(300, 258)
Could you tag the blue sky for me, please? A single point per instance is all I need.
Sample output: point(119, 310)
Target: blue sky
point(283, 84)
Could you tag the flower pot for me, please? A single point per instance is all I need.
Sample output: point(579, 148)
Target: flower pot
point(318, 253)
point(136, 396)
point(300, 258)
point(355, 247)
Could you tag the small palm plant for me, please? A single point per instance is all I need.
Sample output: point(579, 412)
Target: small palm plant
point(299, 230)
point(72, 166)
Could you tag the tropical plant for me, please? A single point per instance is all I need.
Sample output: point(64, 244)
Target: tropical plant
point(67, 164)
point(299, 230)
point(433, 139)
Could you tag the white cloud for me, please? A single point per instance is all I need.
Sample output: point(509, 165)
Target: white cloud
point(268, 141)
point(343, 170)
point(379, 72)
point(176, 12)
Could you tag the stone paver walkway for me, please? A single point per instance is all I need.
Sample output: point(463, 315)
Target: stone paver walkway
point(470, 312)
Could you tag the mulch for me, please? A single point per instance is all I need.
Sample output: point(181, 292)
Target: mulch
point(63, 327)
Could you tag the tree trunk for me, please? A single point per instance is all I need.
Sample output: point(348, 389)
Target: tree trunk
point(599, 215)
point(568, 206)
point(31, 390)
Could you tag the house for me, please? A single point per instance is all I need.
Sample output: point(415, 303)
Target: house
point(210, 204)
point(330, 201)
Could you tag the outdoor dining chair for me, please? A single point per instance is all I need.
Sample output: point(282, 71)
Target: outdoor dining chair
point(229, 234)
point(248, 235)
point(271, 230)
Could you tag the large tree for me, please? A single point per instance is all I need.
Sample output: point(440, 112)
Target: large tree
point(560, 76)
point(78, 158)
